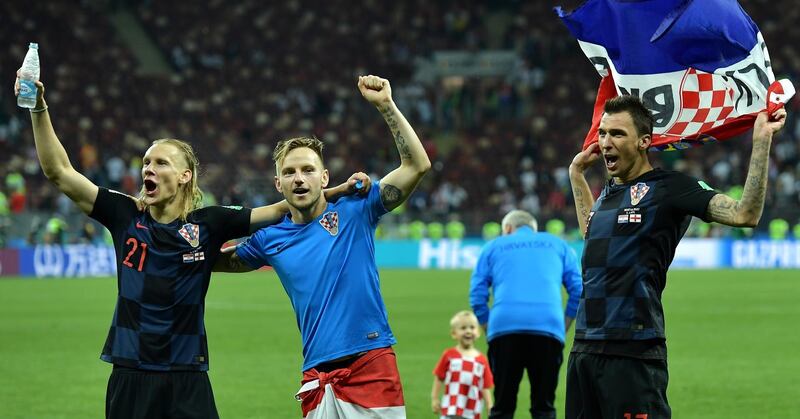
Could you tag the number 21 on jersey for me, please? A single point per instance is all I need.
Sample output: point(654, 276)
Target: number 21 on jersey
point(135, 245)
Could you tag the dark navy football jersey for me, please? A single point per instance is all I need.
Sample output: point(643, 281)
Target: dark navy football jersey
point(163, 273)
point(631, 237)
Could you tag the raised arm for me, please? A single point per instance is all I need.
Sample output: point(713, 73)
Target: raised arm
point(54, 159)
point(581, 192)
point(358, 183)
point(746, 212)
point(414, 162)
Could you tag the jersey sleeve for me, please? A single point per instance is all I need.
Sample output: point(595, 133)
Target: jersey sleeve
point(572, 280)
point(114, 210)
point(441, 367)
point(228, 222)
point(689, 196)
point(251, 250)
point(488, 377)
point(374, 204)
point(479, 285)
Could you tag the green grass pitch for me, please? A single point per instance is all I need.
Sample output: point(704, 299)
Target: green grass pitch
point(734, 346)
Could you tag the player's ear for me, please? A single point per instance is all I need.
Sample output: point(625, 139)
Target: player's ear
point(186, 177)
point(278, 183)
point(645, 141)
point(325, 178)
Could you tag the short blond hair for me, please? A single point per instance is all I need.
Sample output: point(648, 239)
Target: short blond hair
point(464, 315)
point(285, 146)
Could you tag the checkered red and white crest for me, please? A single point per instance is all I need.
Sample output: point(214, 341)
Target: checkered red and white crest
point(191, 233)
point(707, 101)
point(330, 222)
point(462, 396)
point(638, 191)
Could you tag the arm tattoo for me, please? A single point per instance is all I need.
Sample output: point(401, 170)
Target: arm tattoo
point(391, 196)
point(747, 211)
point(583, 202)
point(722, 209)
point(755, 187)
point(235, 263)
point(583, 212)
point(399, 140)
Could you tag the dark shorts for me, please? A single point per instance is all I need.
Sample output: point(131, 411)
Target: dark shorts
point(143, 394)
point(607, 386)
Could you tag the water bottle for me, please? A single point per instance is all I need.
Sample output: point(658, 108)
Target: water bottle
point(28, 75)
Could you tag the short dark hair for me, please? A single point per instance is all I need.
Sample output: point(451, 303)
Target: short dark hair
point(287, 145)
point(642, 118)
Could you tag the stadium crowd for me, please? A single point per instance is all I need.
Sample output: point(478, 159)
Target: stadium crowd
point(244, 76)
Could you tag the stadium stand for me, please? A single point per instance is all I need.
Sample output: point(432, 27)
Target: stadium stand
point(244, 76)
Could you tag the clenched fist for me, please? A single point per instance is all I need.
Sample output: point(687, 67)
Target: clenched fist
point(375, 89)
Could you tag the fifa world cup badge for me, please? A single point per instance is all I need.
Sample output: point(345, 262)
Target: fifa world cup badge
point(638, 191)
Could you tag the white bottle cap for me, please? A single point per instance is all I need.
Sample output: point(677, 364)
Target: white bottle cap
point(33, 45)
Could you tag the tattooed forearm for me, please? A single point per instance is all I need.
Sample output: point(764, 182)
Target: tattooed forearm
point(231, 262)
point(391, 196)
point(755, 187)
point(235, 263)
point(583, 200)
point(583, 212)
point(747, 211)
point(399, 139)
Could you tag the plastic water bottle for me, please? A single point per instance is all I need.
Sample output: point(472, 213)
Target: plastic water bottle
point(28, 75)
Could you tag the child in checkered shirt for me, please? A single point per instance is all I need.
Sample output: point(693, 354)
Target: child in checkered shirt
point(464, 372)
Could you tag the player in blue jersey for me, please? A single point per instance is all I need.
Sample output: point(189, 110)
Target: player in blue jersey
point(324, 254)
point(525, 271)
point(618, 364)
point(166, 248)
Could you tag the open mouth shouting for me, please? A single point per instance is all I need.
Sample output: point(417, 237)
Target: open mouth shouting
point(150, 187)
point(611, 161)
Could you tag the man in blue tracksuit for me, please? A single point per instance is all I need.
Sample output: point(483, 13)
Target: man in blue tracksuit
point(526, 324)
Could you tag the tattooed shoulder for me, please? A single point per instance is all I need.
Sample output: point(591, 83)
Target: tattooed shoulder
point(391, 196)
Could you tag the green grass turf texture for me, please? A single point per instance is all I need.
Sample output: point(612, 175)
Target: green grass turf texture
point(734, 346)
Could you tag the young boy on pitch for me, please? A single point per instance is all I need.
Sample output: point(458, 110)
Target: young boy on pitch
point(464, 372)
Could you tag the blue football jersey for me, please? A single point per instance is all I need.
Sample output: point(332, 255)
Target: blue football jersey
point(328, 270)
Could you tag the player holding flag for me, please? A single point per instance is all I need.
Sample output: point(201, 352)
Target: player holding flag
point(618, 364)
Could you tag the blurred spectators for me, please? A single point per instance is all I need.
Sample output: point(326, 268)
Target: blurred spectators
point(248, 73)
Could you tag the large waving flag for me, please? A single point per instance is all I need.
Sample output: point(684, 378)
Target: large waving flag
point(701, 66)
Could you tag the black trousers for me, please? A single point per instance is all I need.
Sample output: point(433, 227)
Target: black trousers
point(606, 386)
point(541, 356)
point(144, 394)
